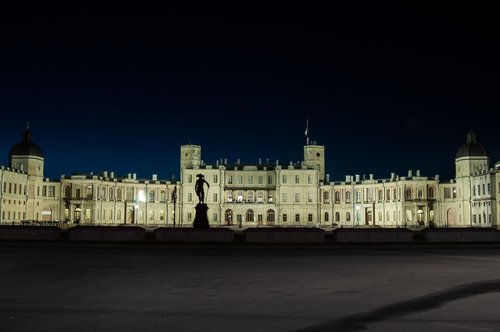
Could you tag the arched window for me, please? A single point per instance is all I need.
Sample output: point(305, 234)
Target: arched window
point(151, 215)
point(229, 197)
point(249, 215)
point(67, 191)
point(408, 193)
point(151, 196)
point(348, 216)
point(119, 194)
point(327, 217)
point(326, 196)
point(270, 217)
point(348, 196)
point(250, 196)
point(337, 196)
point(228, 217)
point(431, 192)
point(119, 215)
point(369, 216)
point(337, 216)
point(380, 195)
point(260, 197)
point(240, 196)
point(163, 196)
point(379, 216)
point(111, 214)
point(387, 215)
point(111, 194)
point(388, 194)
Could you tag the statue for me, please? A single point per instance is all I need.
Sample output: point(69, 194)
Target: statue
point(198, 188)
point(201, 217)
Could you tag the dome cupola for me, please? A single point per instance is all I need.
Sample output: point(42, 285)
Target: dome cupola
point(26, 147)
point(471, 148)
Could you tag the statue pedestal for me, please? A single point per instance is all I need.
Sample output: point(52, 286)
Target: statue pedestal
point(201, 217)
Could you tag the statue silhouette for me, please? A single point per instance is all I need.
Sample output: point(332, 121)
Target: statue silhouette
point(201, 217)
point(198, 188)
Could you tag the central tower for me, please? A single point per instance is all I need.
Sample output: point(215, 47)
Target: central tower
point(314, 157)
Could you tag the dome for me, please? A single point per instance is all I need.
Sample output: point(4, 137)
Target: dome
point(26, 147)
point(471, 148)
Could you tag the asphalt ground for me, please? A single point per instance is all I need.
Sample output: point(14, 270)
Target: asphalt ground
point(139, 287)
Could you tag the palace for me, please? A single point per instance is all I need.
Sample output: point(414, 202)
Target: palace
point(250, 195)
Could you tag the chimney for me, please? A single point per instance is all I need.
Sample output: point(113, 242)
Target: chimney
point(437, 177)
point(129, 175)
point(154, 177)
point(393, 176)
point(277, 162)
point(238, 161)
point(328, 178)
point(134, 176)
point(267, 161)
point(225, 161)
point(260, 161)
point(111, 174)
point(357, 178)
point(410, 173)
point(105, 174)
point(418, 173)
point(347, 178)
point(371, 176)
point(217, 163)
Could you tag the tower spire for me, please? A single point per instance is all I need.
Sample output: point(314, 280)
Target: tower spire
point(307, 132)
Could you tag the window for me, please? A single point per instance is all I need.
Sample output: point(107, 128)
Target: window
point(474, 218)
point(44, 191)
point(309, 197)
point(249, 216)
point(240, 179)
point(119, 214)
point(408, 215)
point(215, 197)
point(260, 197)
point(52, 191)
point(87, 214)
point(190, 197)
point(387, 215)
point(111, 194)
point(66, 214)
point(130, 194)
point(270, 197)
point(358, 195)
point(229, 196)
point(489, 189)
point(284, 199)
point(337, 216)
point(239, 198)
point(454, 191)
point(214, 217)
point(310, 217)
point(420, 194)
point(88, 191)
point(189, 216)
point(269, 179)
point(250, 179)
point(326, 196)
point(431, 192)
point(297, 198)
point(447, 192)
point(190, 178)
point(327, 217)
point(297, 179)
point(283, 179)
point(388, 194)
point(119, 194)
point(162, 215)
point(230, 180)
point(347, 196)
point(309, 179)
point(348, 216)
point(285, 217)
point(380, 195)
point(408, 193)
point(474, 190)
point(379, 216)
point(163, 196)
point(260, 179)
point(337, 196)
point(270, 216)
point(78, 194)
point(151, 215)
point(111, 214)
point(297, 217)
point(369, 193)
point(250, 196)
point(259, 219)
point(151, 196)
point(228, 217)
point(215, 178)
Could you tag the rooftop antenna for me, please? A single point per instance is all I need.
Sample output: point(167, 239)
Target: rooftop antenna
point(307, 132)
point(27, 125)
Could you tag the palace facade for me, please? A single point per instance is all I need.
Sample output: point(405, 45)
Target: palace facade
point(262, 194)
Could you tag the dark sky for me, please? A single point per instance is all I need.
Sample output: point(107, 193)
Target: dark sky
point(386, 88)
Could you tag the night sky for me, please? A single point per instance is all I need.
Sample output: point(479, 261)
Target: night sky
point(385, 88)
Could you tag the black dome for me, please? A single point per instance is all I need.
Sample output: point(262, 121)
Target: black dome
point(26, 147)
point(471, 148)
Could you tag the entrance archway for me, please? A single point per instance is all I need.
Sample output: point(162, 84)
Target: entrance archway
point(451, 217)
